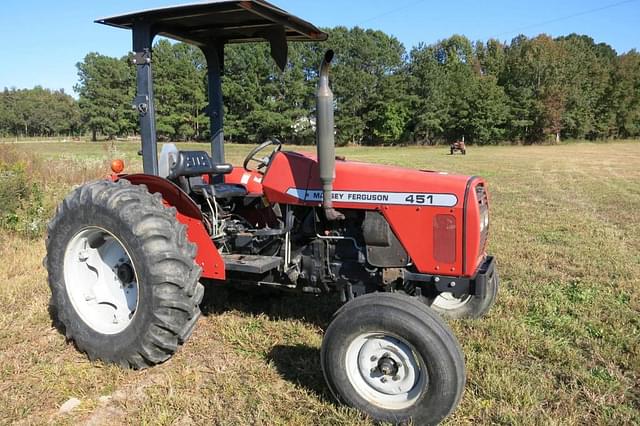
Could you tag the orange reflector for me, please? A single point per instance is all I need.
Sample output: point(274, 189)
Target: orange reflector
point(117, 166)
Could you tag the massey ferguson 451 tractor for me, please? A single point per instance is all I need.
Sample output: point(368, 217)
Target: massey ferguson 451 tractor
point(129, 257)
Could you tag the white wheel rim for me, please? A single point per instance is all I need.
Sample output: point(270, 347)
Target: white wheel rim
point(96, 264)
point(368, 359)
point(448, 302)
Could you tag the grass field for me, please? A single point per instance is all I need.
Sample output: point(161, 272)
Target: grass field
point(561, 346)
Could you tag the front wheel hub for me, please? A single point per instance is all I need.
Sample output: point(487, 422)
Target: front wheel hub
point(386, 370)
point(388, 366)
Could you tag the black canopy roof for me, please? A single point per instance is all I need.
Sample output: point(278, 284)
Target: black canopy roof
point(209, 25)
point(228, 21)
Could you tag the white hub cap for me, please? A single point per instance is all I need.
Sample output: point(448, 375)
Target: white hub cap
point(385, 370)
point(448, 302)
point(101, 280)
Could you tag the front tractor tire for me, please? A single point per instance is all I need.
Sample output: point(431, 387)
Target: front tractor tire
point(124, 285)
point(394, 359)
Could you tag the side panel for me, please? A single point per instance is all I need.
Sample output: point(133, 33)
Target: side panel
point(189, 214)
point(414, 228)
point(414, 203)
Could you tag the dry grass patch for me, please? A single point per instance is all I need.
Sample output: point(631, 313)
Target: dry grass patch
point(562, 345)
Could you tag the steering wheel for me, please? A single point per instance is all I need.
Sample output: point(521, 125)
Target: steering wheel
point(264, 161)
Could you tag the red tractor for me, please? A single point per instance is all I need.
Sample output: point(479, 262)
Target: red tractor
point(129, 257)
point(458, 146)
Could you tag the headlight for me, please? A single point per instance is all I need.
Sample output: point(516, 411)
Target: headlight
point(484, 220)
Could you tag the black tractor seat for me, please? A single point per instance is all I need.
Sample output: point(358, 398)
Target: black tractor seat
point(193, 165)
point(196, 163)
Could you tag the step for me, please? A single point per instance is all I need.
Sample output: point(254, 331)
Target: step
point(250, 263)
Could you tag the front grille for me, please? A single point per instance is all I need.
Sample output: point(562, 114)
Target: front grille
point(483, 208)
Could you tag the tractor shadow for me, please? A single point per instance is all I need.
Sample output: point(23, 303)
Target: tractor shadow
point(299, 364)
point(55, 321)
point(277, 306)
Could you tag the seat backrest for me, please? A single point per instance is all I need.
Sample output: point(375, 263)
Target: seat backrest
point(196, 163)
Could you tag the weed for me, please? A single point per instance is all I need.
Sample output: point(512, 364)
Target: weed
point(21, 201)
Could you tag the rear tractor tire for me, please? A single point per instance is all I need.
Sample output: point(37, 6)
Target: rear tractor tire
point(124, 285)
point(393, 358)
point(467, 306)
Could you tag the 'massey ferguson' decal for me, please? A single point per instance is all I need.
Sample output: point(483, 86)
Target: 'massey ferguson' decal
point(376, 197)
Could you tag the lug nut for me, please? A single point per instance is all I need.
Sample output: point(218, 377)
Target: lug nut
point(374, 358)
point(383, 380)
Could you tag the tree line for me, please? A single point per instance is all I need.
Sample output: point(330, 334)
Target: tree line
point(530, 90)
point(39, 112)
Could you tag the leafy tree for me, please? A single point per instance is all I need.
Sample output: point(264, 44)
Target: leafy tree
point(534, 81)
point(626, 94)
point(588, 71)
point(365, 63)
point(179, 76)
point(38, 112)
point(489, 112)
point(490, 57)
point(456, 95)
point(106, 89)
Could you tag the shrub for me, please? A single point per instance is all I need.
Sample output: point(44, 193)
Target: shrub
point(21, 201)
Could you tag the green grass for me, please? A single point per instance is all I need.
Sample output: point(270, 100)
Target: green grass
point(561, 346)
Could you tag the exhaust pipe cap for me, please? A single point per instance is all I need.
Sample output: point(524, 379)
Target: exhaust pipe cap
point(328, 56)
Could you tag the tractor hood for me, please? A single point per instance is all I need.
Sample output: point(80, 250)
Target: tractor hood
point(294, 178)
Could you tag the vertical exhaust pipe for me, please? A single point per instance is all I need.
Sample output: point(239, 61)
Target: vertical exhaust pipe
point(325, 140)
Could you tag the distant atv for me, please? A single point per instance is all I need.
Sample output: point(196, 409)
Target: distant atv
point(458, 146)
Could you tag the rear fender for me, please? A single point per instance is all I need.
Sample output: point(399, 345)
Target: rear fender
point(190, 215)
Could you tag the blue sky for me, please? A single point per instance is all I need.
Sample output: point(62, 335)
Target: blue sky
point(42, 40)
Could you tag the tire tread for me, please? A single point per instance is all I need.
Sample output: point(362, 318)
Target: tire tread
point(177, 292)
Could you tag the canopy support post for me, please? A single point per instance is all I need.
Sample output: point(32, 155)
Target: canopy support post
point(143, 102)
point(214, 53)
